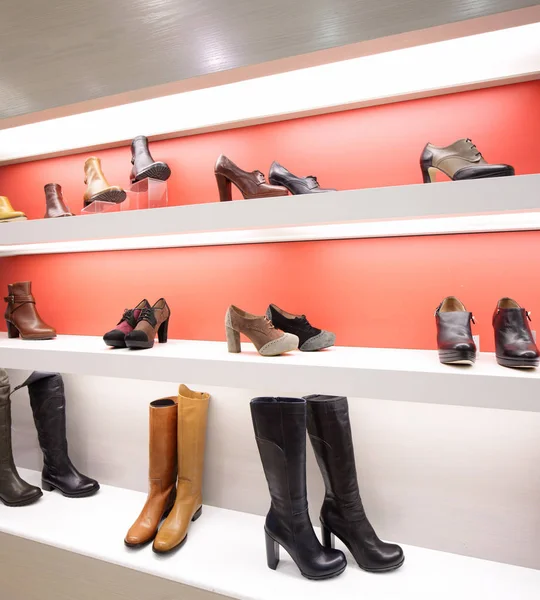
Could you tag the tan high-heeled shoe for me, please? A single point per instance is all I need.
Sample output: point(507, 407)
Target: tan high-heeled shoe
point(268, 340)
point(252, 185)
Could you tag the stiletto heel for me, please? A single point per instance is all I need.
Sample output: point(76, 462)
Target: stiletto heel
point(46, 487)
point(272, 552)
point(163, 331)
point(12, 331)
point(328, 539)
point(197, 514)
point(224, 187)
point(233, 340)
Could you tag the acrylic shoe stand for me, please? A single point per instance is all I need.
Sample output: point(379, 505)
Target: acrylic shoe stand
point(148, 193)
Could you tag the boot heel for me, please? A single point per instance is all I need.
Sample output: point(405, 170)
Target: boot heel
point(197, 514)
point(272, 552)
point(429, 173)
point(233, 340)
point(224, 187)
point(46, 487)
point(328, 539)
point(163, 331)
point(12, 331)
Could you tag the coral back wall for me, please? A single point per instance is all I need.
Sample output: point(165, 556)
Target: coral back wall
point(373, 292)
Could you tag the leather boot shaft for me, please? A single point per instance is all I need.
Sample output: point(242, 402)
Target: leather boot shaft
point(54, 202)
point(14, 491)
point(280, 432)
point(94, 178)
point(22, 316)
point(144, 165)
point(162, 472)
point(48, 402)
point(192, 421)
point(342, 512)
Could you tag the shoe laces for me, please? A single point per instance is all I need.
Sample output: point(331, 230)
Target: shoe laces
point(127, 316)
point(473, 147)
point(260, 176)
point(268, 322)
point(303, 320)
point(147, 314)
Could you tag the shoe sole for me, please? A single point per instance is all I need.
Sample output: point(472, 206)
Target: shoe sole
point(139, 345)
point(506, 173)
point(14, 219)
point(518, 363)
point(22, 502)
point(112, 196)
point(46, 485)
point(115, 343)
point(158, 170)
point(457, 357)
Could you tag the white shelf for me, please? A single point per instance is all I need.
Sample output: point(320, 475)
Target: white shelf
point(225, 555)
point(378, 373)
point(500, 204)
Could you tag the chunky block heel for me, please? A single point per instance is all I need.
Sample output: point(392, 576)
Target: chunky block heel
point(197, 515)
point(224, 187)
point(46, 487)
point(12, 331)
point(163, 331)
point(272, 552)
point(328, 539)
point(233, 340)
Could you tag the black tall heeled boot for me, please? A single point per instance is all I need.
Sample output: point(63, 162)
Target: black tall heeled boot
point(280, 430)
point(14, 491)
point(342, 513)
point(48, 403)
point(143, 163)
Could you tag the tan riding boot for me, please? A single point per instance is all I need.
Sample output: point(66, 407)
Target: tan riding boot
point(192, 416)
point(161, 475)
point(98, 188)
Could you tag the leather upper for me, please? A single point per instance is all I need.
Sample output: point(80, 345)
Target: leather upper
point(280, 431)
point(454, 326)
point(7, 211)
point(192, 421)
point(95, 179)
point(150, 320)
point(251, 184)
point(21, 311)
point(279, 175)
point(162, 471)
point(54, 199)
point(513, 336)
point(342, 511)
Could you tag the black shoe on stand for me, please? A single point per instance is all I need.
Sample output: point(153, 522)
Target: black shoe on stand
point(454, 336)
point(280, 431)
point(342, 512)
point(48, 403)
point(278, 175)
point(514, 343)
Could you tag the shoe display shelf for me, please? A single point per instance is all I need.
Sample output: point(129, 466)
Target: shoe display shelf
point(225, 558)
point(378, 373)
point(474, 206)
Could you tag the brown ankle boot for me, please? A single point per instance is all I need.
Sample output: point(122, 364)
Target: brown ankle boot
point(98, 187)
point(192, 416)
point(22, 316)
point(54, 200)
point(161, 475)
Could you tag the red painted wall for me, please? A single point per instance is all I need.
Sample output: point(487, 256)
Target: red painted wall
point(376, 292)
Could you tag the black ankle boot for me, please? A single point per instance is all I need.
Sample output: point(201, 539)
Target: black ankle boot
point(14, 491)
point(280, 430)
point(514, 343)
point(342, 513)
point(48, 403)
point(454, 336)
point(143, 163)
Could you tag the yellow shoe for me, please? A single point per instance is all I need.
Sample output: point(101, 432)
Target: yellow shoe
point(7, 213)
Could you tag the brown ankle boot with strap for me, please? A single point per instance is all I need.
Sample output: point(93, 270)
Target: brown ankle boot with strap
point(22, 317)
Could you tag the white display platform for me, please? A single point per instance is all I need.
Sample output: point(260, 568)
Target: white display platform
point(225, 555)
point(378, 373)
point(488, 205)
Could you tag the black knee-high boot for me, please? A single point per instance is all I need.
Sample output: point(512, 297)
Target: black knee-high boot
point(280, 430)
point(342, 513)
point(48, 403)
point(14, 491)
